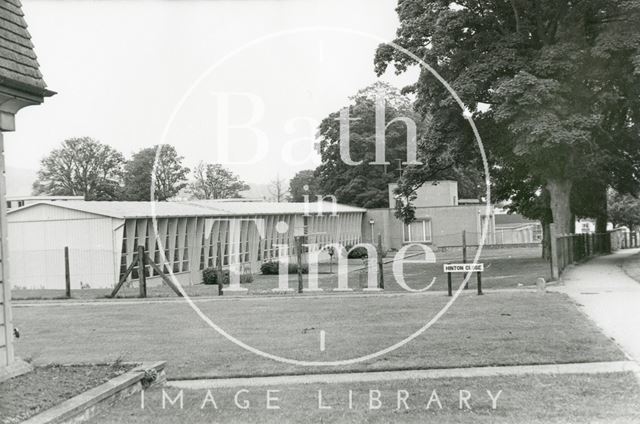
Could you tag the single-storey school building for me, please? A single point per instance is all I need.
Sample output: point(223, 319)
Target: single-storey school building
point(102, 237)
point(187, 237)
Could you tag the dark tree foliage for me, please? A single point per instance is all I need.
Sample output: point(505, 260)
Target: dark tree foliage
point(213, 181)
point(170, 174)
point(297, 184)
point(559, 80)
point(81, 167)
point(364, 185)
point(624, 209)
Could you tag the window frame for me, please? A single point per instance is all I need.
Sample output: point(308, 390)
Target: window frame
point(406, 231)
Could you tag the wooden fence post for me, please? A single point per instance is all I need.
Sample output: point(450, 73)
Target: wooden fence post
point(572, 248)
point(464, 253)
point(67, 274)
point(554, 251)
point(562, 253)
point(464, 246)
point(219, 276)
point(142, 268)
point(380, 263)
point(298, 241)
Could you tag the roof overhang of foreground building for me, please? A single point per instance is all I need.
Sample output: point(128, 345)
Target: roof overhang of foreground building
point(196, 208)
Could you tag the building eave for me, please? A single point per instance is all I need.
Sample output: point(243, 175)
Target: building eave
point(27, 90)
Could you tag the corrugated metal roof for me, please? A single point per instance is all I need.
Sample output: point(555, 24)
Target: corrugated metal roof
point(193, 208)
point(272, 208)
point(18, 61)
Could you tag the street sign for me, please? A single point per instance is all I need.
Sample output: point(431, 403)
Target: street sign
point(463, 267)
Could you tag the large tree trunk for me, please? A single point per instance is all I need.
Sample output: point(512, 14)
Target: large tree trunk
point(603, 213)
point(546, 240)
point(572, 224)
point(560, 194)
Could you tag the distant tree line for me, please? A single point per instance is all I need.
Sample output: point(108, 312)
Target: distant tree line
point(552, 86)
point(86, 167)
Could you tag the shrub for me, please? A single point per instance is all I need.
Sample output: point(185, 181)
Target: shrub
point(246, 278)
point(273, 268)
point(358, 253)
point(210, 276)
point(293, 268)
point(269, 268)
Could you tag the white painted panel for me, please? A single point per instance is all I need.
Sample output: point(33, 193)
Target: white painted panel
point(48, 212)
point(36, 252)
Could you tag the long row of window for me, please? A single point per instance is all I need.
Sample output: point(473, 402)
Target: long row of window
point(207, 239)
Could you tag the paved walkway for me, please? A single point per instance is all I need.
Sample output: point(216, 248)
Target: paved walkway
point(609, 297)
point(364, 377)
point(282, 297)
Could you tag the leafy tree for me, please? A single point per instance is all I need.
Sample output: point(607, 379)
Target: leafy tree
point(212, 181)
point(170, 174)
point(526, 195)
point(81, 167)
point(624, 210)
point(297, 184)
point(365, 184)
point(558, 82)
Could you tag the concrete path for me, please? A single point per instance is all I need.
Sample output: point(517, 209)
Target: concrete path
point(256, 298)
point(364, 377)
point(609, 297)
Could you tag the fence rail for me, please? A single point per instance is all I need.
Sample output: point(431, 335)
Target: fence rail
point(629, 239)
point(574, 248)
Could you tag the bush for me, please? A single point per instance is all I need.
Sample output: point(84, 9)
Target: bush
point(273, 268)
point(358, 253)
point(246, 278)
point(210, 276)
point(269, 268)
point(293, 268)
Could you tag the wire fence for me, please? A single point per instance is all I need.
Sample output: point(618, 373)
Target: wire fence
point(45, 269)
point(101, 268)
point(500, 237)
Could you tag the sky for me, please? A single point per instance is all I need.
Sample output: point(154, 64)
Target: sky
point(243, 82)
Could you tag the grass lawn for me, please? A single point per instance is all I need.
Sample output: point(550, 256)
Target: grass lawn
point(526, 399)
point(504, 328)
point(29, 394)
point(504, 268)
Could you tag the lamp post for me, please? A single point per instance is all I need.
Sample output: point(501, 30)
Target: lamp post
point(371, 222)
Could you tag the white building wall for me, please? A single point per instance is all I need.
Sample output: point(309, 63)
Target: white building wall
point(186, 245)
point(430, 194)
point(38, 236)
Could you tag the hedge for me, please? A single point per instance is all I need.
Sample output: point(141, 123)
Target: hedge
point(210, 276)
